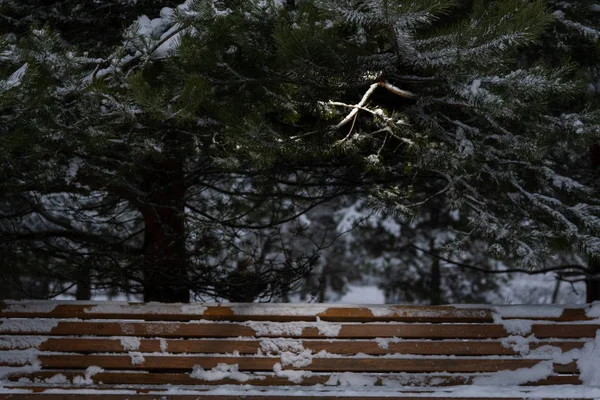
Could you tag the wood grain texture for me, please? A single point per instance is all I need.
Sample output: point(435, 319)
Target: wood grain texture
point(266, 364)
point(348, 331)
point(411, 379)
point(321, 396)
point(271, 312)
point(251, 346)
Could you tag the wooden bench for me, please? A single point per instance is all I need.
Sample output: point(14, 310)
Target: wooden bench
point(117, 351)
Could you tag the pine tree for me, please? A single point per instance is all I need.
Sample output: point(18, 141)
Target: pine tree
point(220, 121)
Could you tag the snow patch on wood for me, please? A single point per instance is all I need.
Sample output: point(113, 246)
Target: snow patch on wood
point(163, 345)
point(517, 377)
point(384, 343)
point(514, 326)
point(295, 376)
point(28, 325)
point(222, 371)
point(89, 374)
point(130, 343)
point(293, 328)
point(136, 357)
point(589, 362)
point(351, 379)
point(537, 312)
point(594, 310)
point(193, 309)
point(21, 342)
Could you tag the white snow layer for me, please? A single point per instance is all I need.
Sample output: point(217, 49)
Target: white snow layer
point(14, 79)
point(30, 306)
point(520, 327)
point(529, 312)
point(594, 310)
point(589, 362)
point(136, 357)
point(221, 371)
point(28, 325)
point(130, 343)
point(517, 377)
point(87, 378)
point(294, 328)
point(21, 342)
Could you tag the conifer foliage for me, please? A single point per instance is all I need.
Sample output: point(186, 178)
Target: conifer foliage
point(202, 137)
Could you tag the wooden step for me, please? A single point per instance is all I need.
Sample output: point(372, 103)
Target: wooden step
point(269, 379)
point(249, 363)
point(253, 346)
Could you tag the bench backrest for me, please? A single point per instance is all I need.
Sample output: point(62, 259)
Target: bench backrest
point(47, 345)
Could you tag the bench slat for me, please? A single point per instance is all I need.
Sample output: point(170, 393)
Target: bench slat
point(274, 312)
point(171, 396)
point(412, 379)
point(470, 348)
point(216, 330)
point(354, 364)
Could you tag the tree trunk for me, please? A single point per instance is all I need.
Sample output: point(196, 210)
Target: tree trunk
point(165, 264)
point(592, 284)
point(84, 284)
point(436, 282)
point(435, 288)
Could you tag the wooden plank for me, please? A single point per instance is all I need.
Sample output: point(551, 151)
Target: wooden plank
point(197, 346)
point(412, 379)
point(274, 312)
point(246, 312)
point(355, 331)
point(199, 396)
point(355, 364)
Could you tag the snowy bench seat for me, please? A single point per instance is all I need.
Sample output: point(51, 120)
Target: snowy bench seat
point(75, 350)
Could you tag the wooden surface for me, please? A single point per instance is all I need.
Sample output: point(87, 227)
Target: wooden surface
point(251, 346)
point(102, 396)
point(347, 331)
point(421, 346)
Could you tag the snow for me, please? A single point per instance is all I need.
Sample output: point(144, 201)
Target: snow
point(145, 308)
point(35, 325)
point(194, 309)
point(58, 378)
point(87, 378)
point(136, 357)
point(589, 362)
point(279, 309)
point(514, 326)
point(295, 376)
point(520, 376)
point(529, 312)
point(163, 345)
point(294, 328)
point(128, 329)
point(14, 79)
point(280, 345)
point(297, 360)
point(518, 344)
point(351, 379)
point(384, 343)
point(594, 310)
point(21, 342)
point(221, 371)
point(30, 306)
point(130, 343)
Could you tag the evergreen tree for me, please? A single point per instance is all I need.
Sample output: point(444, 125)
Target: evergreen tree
point(220, 121)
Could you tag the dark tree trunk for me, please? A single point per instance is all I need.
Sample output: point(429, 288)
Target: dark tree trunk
point(592, 284)
point(435, 293)
point(165, 264)
point(84, 284)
